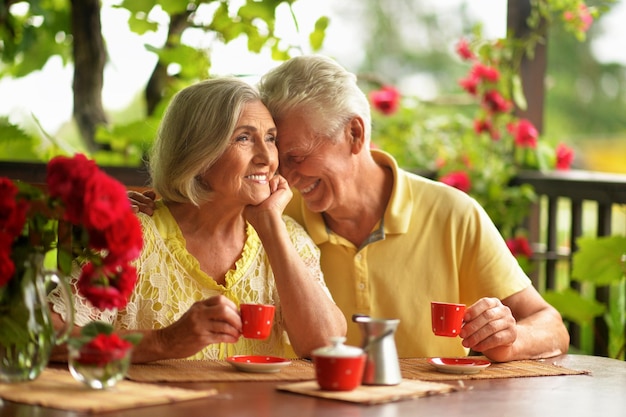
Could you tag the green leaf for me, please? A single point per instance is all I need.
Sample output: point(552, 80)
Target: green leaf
point(133, 338)
point(518, 92)
point(258, 10)
point(573, 306)
point(615, 318)
point(599, 260)
point(141, 26)
point(94, 328)
point(316, 38)
point(279, 54)
point(546, 156)
point(136, 6)
point(174, 7)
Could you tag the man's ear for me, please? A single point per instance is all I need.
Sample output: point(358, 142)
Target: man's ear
point(356, 131)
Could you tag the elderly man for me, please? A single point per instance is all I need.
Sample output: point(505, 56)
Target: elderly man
point(391, 242)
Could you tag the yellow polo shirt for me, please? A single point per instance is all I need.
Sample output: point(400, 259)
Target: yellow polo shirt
point(435, 243)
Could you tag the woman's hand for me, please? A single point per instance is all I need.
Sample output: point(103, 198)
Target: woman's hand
point(274, 205)
point(214, 320)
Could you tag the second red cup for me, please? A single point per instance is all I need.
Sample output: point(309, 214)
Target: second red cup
point(257, 320)
point(447, 318)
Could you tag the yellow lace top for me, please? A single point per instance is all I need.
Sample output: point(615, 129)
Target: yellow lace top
point(169, 281)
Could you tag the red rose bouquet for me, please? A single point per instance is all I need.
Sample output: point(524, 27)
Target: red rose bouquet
point(104, 238)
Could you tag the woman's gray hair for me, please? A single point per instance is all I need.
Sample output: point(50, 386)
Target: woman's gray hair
point(317, 86)
point(194, 133)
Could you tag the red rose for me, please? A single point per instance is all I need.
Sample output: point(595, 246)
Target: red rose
point(125, 278)
point(123, 239)
point(105, 201)
point(12, 212)
point(7, 268)
point(66, 178)
point(8, 191)
point(98, 286)
point(103, 349)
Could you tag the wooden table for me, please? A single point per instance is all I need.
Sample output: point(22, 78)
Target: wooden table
point(603, 393)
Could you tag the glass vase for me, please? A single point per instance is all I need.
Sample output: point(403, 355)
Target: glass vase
point(27, 334)
point(98, 369)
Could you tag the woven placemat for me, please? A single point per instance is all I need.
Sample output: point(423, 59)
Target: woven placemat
point(419, 368)
point(369, 395)
point(56, 388)
point(302, 370)
point(180, 370)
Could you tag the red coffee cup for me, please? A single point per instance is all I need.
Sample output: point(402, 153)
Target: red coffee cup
point(257, 320)
point(447, 318)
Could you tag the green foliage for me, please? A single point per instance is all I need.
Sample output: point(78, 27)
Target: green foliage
point(599, 261)
point(573, 306)
point(29, 38)
point(40, 29)
point(16, 144)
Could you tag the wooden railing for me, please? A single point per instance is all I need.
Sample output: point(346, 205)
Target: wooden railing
point(576, 196)
point(576, 189)
point(35, 172)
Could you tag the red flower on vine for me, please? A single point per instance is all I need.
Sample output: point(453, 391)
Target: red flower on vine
point(519, 246)
point(470, 84)
point(486, 125)
point(564, 156)
point(582, 18)
point(494, 102)
point(457, 179)
point(525, 133)
point(386, 100)
point(485, 72)
point(463, 50)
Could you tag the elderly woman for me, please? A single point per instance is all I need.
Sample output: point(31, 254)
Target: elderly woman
point(218, 238)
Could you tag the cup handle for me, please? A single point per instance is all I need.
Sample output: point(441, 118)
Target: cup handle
point(63, 334)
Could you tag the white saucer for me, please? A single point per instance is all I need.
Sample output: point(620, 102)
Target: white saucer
point(262, 364)
point(459, 365)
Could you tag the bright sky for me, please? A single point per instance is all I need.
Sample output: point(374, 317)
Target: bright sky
point(47, 94)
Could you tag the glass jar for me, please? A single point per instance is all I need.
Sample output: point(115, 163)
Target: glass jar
point(96, 368)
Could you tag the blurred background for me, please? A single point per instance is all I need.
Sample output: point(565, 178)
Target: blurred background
point(405, 43)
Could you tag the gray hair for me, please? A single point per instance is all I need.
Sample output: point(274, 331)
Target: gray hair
point(318, 86)
point(193, 135)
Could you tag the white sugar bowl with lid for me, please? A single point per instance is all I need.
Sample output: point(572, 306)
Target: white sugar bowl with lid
point(339, 367)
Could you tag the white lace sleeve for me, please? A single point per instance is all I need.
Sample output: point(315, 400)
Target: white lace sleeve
point(308, 251)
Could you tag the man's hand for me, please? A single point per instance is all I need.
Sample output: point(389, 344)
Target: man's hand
point(142, 202)
point(489, 324)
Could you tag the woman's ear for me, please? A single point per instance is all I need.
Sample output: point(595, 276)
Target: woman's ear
point(356, 131)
